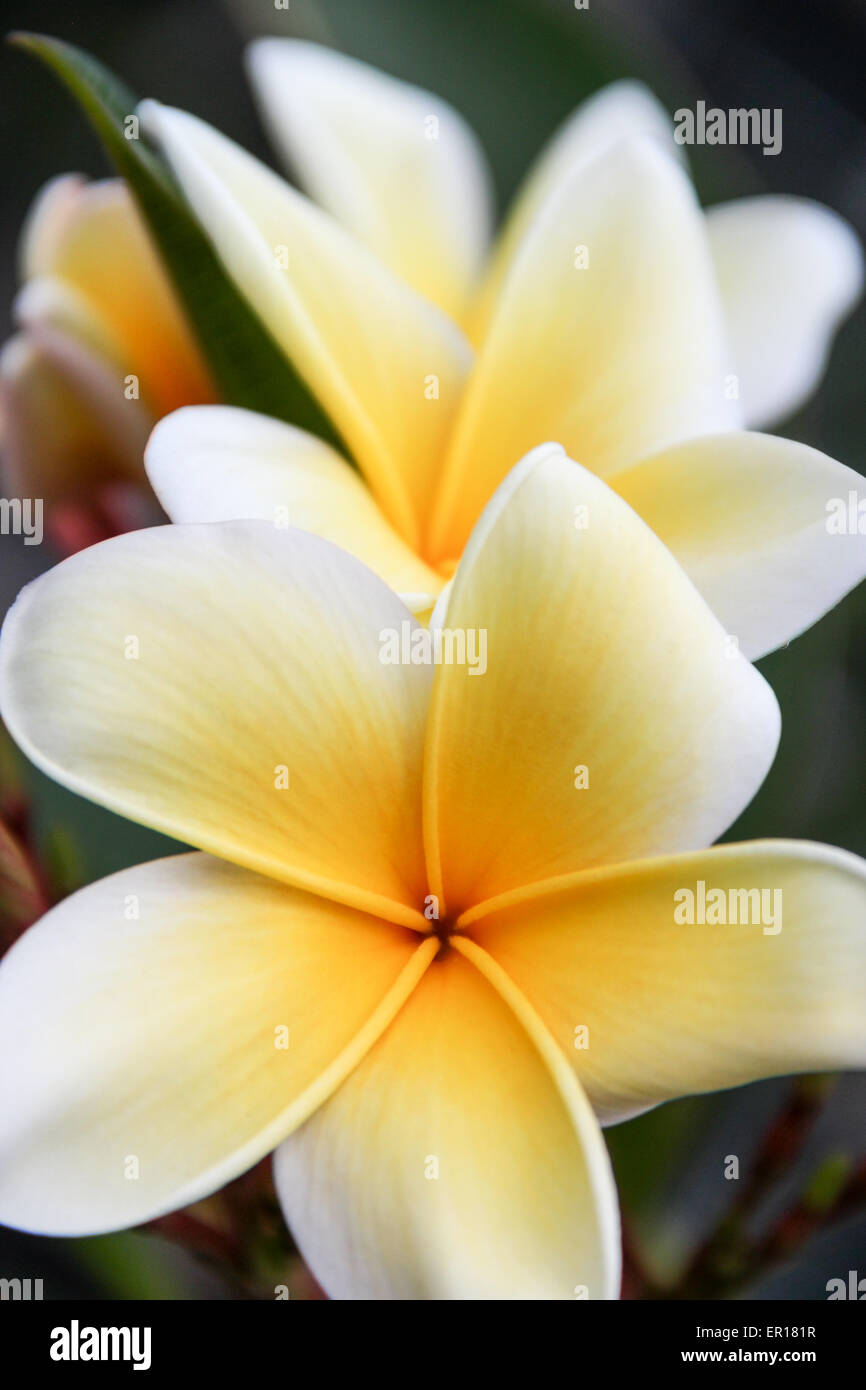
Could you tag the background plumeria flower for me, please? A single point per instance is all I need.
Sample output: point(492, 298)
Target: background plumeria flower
point(603, 319)
point(431, 1115)
point(102, 351)
point(403, 172)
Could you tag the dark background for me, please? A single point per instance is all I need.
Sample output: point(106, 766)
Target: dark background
point(515, 68)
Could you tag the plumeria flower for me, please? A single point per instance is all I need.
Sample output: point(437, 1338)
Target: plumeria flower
point(611, 314)
point(102, 349)
point(413, 954)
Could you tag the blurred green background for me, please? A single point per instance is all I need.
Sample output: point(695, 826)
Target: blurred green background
point(515, 68)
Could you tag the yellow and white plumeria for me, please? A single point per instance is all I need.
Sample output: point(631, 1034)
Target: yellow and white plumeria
point(611, 314)
point(405, 908)
point(102, 348)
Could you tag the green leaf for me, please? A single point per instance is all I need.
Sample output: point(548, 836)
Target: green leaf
point(247, 366)
point(130, 1266)
point(827, 1183)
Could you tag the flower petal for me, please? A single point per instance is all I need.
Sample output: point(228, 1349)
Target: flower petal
point(670, 1007)
point(216, 463)
point(459, 1161)
point(618, 112)
point(65, 425)
point(222, 683)
point(50, 306)
point(600, 655)
point(89, 239)
point(748, 518)
point(386, 365)
point(790, 271)
point(143, 1058)
point(608, 336)
point(398, 166)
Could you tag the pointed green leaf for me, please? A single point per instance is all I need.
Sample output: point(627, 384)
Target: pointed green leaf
point(248, 367)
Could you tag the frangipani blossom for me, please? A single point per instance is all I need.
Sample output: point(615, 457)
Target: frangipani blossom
point(403, 172)
point(605, 319)
point(433, 1120)
point(103, 349)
